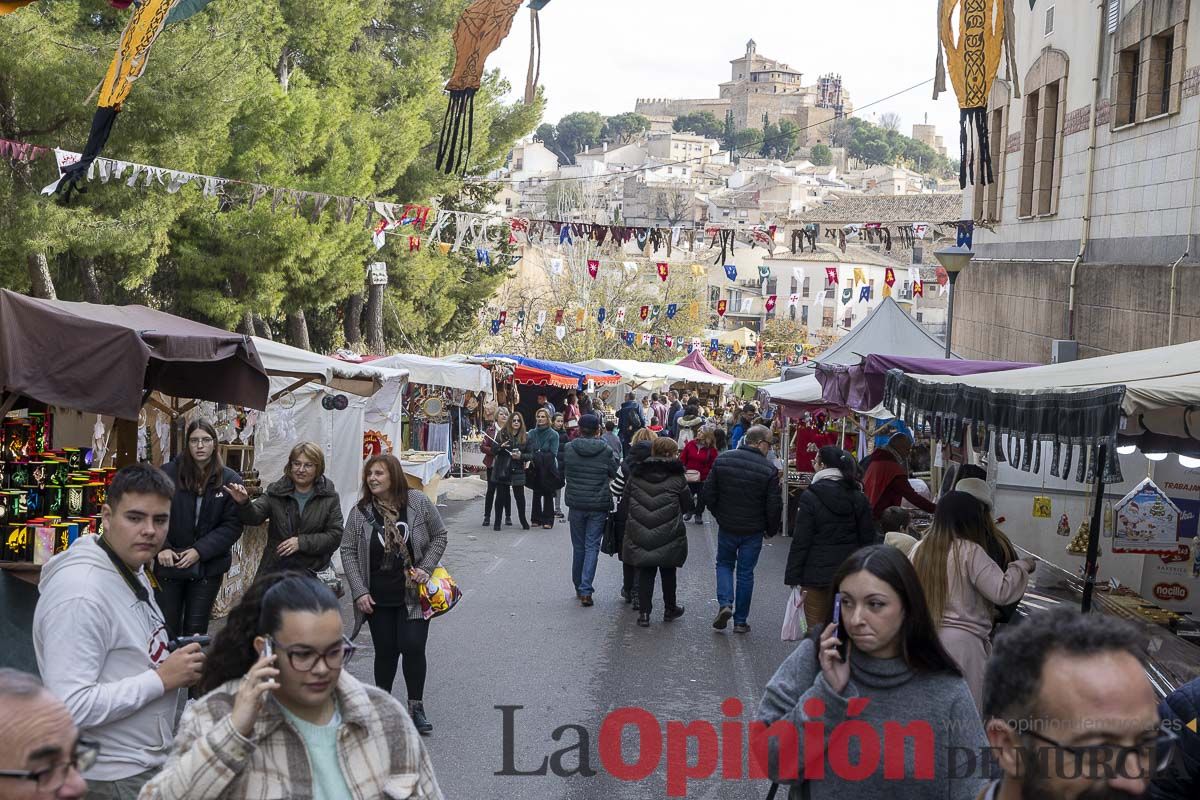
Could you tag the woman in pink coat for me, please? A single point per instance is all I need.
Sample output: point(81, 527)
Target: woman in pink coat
point(963, 584)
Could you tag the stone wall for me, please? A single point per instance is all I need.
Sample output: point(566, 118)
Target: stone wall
point(1013, 311)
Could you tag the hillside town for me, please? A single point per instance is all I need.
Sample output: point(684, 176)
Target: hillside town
point(542, 399)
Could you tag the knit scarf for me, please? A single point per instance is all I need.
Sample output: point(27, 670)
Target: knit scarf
point(394, 542)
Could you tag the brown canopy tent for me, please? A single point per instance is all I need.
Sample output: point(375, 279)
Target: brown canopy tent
point(108, 359)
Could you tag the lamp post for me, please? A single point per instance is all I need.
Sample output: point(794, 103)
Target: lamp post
point(954, 260)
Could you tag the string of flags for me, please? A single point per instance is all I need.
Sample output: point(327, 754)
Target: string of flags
point(452, 231)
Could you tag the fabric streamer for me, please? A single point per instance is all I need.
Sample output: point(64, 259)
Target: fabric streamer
point(133, 53)
point(480, 30)
point(972, 62)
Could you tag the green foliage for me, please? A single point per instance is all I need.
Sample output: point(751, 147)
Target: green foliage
point(821, 155)
point(779, 141)
point(624, 127)
point(873, 144)
point(702, 123)
point(340, 98)
point(573, 134)
point(747, 142)
point(729, 133)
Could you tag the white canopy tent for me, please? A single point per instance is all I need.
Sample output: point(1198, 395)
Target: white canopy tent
point(285, 361)
point(300, 381)
point(650, 376)
point(439, 372)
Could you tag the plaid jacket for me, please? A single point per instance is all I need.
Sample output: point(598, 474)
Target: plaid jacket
point(379, 749)
point(427, 534)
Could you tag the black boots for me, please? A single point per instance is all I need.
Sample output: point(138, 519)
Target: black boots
point(416, 710)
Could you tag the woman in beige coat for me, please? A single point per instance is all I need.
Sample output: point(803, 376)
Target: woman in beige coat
point(963, 585)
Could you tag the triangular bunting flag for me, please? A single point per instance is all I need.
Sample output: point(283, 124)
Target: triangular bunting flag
point(593, 268)
point(663, 270)
point(672, 310)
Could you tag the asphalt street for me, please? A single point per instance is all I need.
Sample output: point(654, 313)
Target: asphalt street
point(520, 638)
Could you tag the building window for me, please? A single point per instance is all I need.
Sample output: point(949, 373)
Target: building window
point(1162, 54)
point(848, 322)
point(803, 315)
point(807, 288)
point(827, 315)
point(1050, 20)
point(989, 200)
point(1041, 145)
point(508, 204)
point(1148, 79)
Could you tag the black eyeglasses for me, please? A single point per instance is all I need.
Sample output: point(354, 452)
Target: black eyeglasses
point(200, 441)
point(304, 659)
point(51, 779)
point(1097, 761)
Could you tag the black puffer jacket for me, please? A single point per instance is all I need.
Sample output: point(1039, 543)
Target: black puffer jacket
point(833, 519)
point(214, 532)
point(743, 493)
point(656, 497)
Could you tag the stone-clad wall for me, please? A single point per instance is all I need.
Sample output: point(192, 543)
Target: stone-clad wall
point(1013, 311)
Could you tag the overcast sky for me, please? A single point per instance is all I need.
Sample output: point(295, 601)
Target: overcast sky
point(601, 55)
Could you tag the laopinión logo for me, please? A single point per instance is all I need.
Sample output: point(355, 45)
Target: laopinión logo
point(853, 750)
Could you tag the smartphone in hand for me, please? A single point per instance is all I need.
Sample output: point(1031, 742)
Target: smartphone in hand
point(837, 624)
point(268, 647)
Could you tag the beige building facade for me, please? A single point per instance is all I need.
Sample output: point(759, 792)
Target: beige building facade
point(1085, 244)
point(758, 86)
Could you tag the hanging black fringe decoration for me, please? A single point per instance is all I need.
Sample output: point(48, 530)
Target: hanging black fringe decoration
point(458, 133)
point(968, 119)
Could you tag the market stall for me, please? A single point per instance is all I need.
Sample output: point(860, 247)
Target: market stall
point(442, 405)
point(641, 377)
point(553, 379)
point(81, 383)
point(1075, 428)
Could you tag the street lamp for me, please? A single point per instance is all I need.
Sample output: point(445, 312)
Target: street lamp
point(954, 260)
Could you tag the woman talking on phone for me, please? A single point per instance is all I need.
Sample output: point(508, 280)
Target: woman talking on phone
point(204, 527)
point(281, 717)
point(393, 542)
point(877, 663)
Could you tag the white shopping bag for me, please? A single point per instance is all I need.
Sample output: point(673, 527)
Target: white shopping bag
point(795, 625)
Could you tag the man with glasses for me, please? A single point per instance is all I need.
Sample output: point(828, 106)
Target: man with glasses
point(1070, 713)
point(41, 756)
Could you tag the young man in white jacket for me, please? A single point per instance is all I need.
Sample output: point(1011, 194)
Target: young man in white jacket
point(101, 642)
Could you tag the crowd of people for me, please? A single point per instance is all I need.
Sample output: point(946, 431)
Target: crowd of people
point(903, 627)
point(120, 630)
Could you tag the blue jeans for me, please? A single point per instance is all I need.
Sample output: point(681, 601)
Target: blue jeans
point(741, 552)
point(587, 529)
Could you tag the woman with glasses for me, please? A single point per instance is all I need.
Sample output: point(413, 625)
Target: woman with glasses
point(304, 510)
point(204, 527)
point(393, 542)
point(281, 717)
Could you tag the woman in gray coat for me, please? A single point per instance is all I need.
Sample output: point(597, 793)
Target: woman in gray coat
point(393, 542)
point(656, 497)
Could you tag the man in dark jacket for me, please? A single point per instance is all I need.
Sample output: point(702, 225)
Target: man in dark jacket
point(1179, 713)
point(589, 466)
point(745, 497)
point(629, 421)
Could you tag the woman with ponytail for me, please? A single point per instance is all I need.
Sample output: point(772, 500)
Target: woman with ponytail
point(833, 519)
point(282, 718)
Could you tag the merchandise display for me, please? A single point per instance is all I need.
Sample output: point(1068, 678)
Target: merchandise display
point(48, 497)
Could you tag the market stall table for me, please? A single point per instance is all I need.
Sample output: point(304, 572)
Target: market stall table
point(424, 471)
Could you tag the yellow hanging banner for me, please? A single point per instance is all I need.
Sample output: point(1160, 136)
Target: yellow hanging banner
point(859, 276)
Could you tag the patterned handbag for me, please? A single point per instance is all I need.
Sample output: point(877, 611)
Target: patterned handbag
point(439, 594)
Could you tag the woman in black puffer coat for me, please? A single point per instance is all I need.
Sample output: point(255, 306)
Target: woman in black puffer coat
point(639, 451)
point(656, 497)
point(833, 519)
